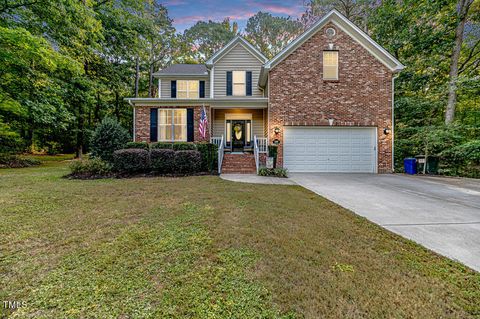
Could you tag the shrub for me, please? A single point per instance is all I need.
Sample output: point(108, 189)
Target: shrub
point(161, 145)
point(162, 161)
point(277, 172)
point(463, 159)
point(108, 137)
point(182, 146)
point(15, 161)
point(187, 162)
point(209, 154)
point(90, 168)
point(131, 160)
point(140, 145)
point(272, 152)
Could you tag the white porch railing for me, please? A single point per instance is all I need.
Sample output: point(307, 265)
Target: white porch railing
point(216, 140)
point(256, 152)
point(219, 142)
point(262, 144)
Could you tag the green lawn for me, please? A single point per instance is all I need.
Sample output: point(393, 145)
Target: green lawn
point(202, 247)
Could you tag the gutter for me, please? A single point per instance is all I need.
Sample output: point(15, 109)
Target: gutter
point(130, 102)
point(393, 121)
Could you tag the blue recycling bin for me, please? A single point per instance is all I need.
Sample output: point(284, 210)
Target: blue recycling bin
point(410, 165)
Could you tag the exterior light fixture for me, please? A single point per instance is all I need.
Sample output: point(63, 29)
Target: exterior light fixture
point(387, 131)
point(276, 130)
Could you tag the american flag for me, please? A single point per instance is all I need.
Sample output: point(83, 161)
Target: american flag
point(202, 126)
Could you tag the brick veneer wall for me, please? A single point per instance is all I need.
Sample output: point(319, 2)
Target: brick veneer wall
point(360, 97)
point(142, 121)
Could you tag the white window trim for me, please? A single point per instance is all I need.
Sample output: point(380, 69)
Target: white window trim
point(172, 139)
point(188, 89)
point(323, 63)
point(211, 83)
point(244, 93)
point(237, 116)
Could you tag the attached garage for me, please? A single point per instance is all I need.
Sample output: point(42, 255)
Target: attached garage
point(330, 149)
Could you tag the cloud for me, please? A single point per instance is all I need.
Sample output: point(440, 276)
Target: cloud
point(295, 9)
point(174, 2)
point(190, 19)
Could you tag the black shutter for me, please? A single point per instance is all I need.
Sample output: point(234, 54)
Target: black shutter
point(173, 89)
point(249, 83)
point(201, 92)
point(229, 82)
point(153, 125)
point(190, 126)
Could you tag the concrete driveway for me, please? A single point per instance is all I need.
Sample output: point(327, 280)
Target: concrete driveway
point(442, 214)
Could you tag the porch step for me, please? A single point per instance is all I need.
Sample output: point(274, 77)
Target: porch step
point(238, 164)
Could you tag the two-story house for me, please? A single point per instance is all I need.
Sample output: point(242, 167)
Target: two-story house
point(326, 100)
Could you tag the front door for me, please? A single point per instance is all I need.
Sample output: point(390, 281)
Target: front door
point(238, 135)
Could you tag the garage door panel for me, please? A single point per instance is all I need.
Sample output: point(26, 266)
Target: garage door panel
point(313, 149)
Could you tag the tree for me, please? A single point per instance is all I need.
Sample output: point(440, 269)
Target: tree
point(205, 38)
point(357, 11)
point(463, 6)
point(32, 81)
point(271, 34)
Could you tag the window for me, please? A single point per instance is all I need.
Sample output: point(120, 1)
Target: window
point(172, 125)
point(330, 65)
point(239, 85)
point(187, 89)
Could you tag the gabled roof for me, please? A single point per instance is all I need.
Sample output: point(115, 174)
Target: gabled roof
point(183, 69)
point(345, 25)
point(230, 45)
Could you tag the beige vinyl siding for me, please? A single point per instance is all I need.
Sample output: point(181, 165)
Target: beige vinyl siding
point(237, 59)
point(218, 127)
point(165, 86)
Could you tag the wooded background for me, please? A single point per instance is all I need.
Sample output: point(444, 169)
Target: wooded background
point(66, 64)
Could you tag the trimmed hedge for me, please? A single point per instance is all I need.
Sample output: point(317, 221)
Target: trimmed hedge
point(183, 146)
point(140, 145)
point(162, 161)
point(90, 168)
point(133, 160)
point(209, 154)
point(187, 162)
point(161, 145)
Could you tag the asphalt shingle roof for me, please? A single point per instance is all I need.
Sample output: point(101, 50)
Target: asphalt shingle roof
point(190, 69)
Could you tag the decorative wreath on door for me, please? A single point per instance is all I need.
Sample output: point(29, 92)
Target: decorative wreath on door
point(238, 131)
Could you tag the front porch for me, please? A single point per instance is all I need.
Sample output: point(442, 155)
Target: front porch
point(241, 135)
point(239, 128)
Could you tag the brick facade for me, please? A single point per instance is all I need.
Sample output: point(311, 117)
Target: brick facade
point(142, 121)
point(360, 97)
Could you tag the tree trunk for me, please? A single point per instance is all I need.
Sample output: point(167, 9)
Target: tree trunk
point(137, 74)
point(80, 129)
point(96, 111)
point(462, 11)
point(150, 81)
point(117, 105)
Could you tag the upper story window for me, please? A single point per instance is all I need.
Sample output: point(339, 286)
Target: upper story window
point(330, 65)
point(187, 89)
point(239, 82)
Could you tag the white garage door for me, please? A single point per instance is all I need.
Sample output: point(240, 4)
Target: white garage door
point(330, 149)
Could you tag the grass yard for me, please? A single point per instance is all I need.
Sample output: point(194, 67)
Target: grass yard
point(202, 247)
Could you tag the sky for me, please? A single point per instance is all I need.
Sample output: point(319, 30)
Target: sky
point(186, 13)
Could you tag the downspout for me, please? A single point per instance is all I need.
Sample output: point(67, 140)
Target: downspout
point(393, 122)
point(130, 102)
